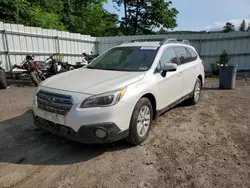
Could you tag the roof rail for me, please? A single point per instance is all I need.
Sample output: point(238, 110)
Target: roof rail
point(166, 41)
point(140, 40)
point(173, 40)
point(186, 41)
point(163, 41)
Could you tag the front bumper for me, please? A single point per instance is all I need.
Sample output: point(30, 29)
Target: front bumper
point(77, 123)
point(86, 133)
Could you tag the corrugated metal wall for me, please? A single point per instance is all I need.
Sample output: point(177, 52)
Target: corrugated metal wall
point(209, 46)
point(16, 41)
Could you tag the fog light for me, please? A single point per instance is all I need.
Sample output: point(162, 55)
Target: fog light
point(100, 133)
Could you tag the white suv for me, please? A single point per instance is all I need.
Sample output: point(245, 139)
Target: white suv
point(119, 94)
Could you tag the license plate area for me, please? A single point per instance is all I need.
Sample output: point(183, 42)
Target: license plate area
point(57, 129)
point(52, 117)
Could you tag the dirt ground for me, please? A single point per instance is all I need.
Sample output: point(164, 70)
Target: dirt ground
point(203, 146)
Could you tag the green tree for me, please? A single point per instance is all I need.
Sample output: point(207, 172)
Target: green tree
point(248, 29)
point(224, 58)
point(14, 11)
point(79, 16)
point(162, 31)
point(50, 6)
point(242, 26)
point(143, 16)
point(89, 18)
point(39, 18)
point(229, 27)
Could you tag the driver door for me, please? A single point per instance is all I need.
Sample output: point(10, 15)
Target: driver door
point(170, 86)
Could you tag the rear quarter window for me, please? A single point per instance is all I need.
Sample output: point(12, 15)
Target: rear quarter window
point(192, 54)
point(182, 54)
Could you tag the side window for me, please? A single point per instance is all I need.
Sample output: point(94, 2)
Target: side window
point(193, 55)
point(182, 54)
point(168, 56)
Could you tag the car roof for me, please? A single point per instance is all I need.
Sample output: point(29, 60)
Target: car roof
point(153, 44)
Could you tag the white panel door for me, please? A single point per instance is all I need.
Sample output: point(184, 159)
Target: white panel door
point(170, 85)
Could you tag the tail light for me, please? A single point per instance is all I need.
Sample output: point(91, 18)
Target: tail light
point(202, 62)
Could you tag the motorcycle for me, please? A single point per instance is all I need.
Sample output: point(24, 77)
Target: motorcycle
point(3, 82)
point(52, 66)
point(32, 69)
point(88, 58)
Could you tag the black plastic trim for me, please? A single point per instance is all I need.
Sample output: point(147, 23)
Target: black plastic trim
point(86, 133)
point(162, 111)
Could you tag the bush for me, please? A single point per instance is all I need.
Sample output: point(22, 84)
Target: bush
point(215, 69)
point(224, 58)
point(223, 61)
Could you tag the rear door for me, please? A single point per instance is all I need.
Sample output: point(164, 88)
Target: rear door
point(170, 86)
point(187, 67)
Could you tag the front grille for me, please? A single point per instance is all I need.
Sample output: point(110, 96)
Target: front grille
point(55, 103)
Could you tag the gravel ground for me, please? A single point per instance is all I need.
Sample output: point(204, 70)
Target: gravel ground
point(206, 145)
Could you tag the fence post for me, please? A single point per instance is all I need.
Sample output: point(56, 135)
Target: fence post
point(8, 51)
point(200, 42)
point(57, 44)
point(96, 43)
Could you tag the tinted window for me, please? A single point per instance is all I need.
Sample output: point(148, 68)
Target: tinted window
point(192, 54)
point(182, 54)
point(126, 59)
point(168, 56)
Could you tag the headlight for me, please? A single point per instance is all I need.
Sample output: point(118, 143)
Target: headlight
point(103, 100)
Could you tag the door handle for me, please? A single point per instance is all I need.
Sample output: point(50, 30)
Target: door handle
point(180, 74)
point(194, 67)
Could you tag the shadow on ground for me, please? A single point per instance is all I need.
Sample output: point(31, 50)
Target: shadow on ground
point(22, 143)
point(210, 88)
point(20, 83)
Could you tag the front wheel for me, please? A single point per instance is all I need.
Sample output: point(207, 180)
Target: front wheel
point(34, 78)
point(141, 120)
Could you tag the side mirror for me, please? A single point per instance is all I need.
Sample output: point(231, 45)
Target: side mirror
point(168, 67)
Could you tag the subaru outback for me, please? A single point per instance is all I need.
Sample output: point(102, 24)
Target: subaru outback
point(120, 92)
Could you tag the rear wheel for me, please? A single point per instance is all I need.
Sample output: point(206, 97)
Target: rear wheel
point(34, 78)
point(196, 93)
point(140, 123)
point(3, 82)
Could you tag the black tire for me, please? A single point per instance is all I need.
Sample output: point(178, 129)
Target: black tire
point(34, 78)
point(194, 99)
point(3, 82)
point(134, 137)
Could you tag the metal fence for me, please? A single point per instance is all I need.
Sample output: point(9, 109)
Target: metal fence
point(16, 41)
point(209, 46)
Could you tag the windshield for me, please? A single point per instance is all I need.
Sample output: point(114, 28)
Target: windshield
point(126, 59)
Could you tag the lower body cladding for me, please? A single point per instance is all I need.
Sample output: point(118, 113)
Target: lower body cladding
point(96, 133)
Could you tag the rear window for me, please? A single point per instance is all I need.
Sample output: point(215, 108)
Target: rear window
point(126, 59)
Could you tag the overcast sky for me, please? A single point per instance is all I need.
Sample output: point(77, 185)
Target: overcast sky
point(205, 14)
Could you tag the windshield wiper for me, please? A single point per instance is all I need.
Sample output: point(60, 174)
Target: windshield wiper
point(112, 69)
point(88, 67)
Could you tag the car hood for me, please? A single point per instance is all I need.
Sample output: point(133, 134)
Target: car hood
point(92, 81)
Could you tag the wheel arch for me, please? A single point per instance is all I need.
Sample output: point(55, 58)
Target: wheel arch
point(201, 79)
point(152, 100)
